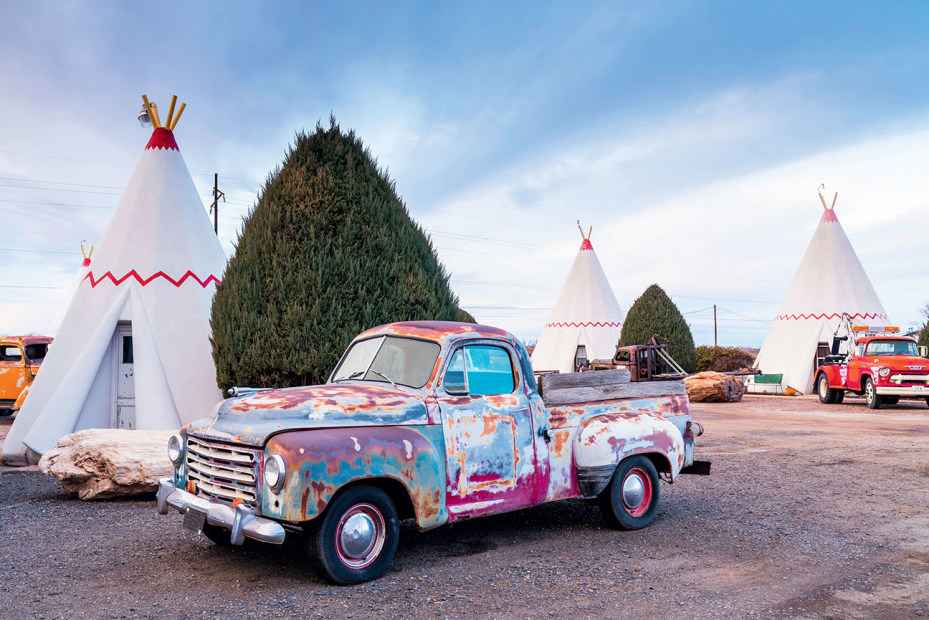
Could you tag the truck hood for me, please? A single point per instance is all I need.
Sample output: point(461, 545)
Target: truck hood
point(903, 363)
point(252, 418)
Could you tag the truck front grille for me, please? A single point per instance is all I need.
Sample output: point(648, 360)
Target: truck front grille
point(223, 472)
point(905, 378)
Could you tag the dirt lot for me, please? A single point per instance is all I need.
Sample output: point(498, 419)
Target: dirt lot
point(811, 511)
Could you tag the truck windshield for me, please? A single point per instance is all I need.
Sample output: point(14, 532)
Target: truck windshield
point(35, 353)
point(389, 359)
point(892, 347)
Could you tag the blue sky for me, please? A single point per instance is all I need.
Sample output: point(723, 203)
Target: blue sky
point(692, 136)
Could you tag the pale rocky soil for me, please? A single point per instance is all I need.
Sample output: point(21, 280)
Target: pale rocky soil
point(815, 511)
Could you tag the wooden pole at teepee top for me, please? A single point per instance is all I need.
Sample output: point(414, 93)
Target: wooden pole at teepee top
point(180, 111)
point(171, 111)
point(823, 200)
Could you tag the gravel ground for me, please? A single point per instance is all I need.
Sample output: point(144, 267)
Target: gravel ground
point(812, 511)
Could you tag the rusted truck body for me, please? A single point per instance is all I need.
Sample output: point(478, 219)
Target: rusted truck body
point(20, 359)
point(430, 421)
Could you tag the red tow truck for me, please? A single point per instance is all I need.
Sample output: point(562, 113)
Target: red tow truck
point(882, 365)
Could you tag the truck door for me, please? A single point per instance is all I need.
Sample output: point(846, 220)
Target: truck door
point(488, 428)
point(854, 367)
point(12, 373)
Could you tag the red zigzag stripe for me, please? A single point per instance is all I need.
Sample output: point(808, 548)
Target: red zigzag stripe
point(834, 315)
point(588, 324)
point(143, 281)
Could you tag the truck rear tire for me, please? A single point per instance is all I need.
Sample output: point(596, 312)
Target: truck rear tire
point(839, 396)
point(357, 537)
point(630, 501)
point(871, 396)
point(827, 395)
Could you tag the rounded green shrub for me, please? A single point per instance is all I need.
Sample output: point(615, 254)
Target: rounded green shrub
point(327, 251)
point(655, 314)
point(723, 359)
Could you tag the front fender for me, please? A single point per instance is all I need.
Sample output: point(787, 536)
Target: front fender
point(21, 398)
point(319, 462)
point(602, 442)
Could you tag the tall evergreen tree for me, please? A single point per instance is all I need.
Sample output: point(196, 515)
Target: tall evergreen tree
point(327, 251)
point(655, 313)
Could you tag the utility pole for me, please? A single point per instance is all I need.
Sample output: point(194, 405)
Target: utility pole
point(215, 206)
point(715, 343)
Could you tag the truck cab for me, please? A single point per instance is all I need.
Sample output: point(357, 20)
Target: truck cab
point(881, 365)
point(20, 359)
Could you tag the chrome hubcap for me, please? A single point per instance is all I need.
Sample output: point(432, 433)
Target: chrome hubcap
point(360, 535)
point(633, 491)
point(357, 535)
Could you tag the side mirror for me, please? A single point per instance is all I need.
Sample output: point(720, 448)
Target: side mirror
point(923, 351)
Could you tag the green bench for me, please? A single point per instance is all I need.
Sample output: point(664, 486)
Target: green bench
point(770, 380)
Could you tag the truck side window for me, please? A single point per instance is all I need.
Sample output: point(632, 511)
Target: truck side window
point(10, 354)
point(490, 370)
point(454, 380)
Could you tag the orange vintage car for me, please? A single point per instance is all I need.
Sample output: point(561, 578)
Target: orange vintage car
point(20, 358)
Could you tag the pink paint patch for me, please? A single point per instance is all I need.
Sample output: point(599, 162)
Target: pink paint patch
point(587, 245)
point(829, 216)
point(162, 139)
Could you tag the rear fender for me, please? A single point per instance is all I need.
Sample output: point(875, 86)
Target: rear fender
point(319, 462)
point(602, 442)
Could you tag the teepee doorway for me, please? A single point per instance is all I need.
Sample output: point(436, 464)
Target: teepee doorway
point(124, 381)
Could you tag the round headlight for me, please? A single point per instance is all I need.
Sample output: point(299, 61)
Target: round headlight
point(176, 450)
point(274, 472)
point(884, 372)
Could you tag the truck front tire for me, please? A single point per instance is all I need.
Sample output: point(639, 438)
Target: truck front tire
point(871, 396)
point(357, 537)
point(630, 501)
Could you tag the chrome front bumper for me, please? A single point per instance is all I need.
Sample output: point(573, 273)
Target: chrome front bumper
point(241, 521)
point(903, 390)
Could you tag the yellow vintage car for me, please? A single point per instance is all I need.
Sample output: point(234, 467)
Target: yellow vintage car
point(20, 358)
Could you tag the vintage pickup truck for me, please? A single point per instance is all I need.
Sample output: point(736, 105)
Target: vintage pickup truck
point(431, 421)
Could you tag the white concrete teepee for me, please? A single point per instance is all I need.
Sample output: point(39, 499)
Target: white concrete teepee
point(830, 282)
point(133, 349)
point(586, 314)
point(72, 289)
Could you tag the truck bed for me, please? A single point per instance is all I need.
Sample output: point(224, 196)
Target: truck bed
point(582, 387)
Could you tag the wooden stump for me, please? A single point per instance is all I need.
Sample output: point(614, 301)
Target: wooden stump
point(101, 463)
point(713, 387)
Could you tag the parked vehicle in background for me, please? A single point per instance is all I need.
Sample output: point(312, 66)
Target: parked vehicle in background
point(433, 421)
point(882, 366)
point(20, 359)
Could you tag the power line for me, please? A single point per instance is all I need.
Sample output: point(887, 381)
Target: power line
point(23, 286)
point(54, 252)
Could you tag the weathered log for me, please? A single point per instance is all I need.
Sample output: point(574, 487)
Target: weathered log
point(714, 387)
point(615, 391)
point(103, 462)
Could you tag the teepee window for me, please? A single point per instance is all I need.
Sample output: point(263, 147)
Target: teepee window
point(127, 350)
